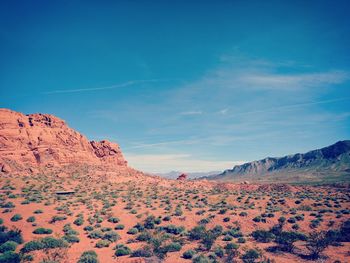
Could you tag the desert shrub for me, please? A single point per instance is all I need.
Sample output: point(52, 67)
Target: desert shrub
point(142, 252)
point(291, 220)
point(113, 219)
point(226, 219)
point(144, 236)
point(201, 259)
point(287, 239)
point(31, 246)
point(39, 211)
point(132, 231)
point(111, 236)
point(42, 231)
point(88, 228)
point(344, 231)
point(263, 236)
point(188, 254)
point(122, 250)
point(227, 238)
point(243, 214)
point(11, 235)
point(8, 246)
point(241, 240)
point(71, 238)
point(257, 219)
point(16, 218)
point(57, 218)
point(88, 257)
point(79, 221)
point(102, 243)
point(167, 218)
point(95, 234)
point(316, 243)
point(119, 227)
point(250, 256)
point(172, 229)
point(10, 257)
point(197, 233)
point(219, 252)
point(172, 247)
point(7, 205)
point(31, 219)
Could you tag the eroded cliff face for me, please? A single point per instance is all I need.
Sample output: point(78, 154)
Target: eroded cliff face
point(35, 141)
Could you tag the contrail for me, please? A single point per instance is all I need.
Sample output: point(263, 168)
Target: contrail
point(121, 85)
point(292, 106)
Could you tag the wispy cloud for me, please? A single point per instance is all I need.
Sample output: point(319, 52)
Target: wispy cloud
point(291, 106)
point(160, 163)
point(292, 81)
point(121, 85)
point(191, 113)
point(164, 143)
point(224, 111)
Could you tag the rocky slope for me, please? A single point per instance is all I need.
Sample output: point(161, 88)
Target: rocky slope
point(40, 141)
point(327, 164)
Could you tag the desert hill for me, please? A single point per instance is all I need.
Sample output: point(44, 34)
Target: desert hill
point(330, 164)
point(33, 142)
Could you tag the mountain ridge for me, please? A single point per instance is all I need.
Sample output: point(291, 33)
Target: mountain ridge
point(333, 159)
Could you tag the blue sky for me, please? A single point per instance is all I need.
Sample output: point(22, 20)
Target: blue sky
point(188, 85)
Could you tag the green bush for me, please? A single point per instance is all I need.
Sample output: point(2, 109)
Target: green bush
point(46, 242)
point(287, 239)
point(250, 256)
point(95, 234)
point(31, 219)
point(119, 227)
point(57, 218)
point(142, 252)
point(263, 236)
point(88, 257)
point(10, 257)
point(79, 221)
point(197, 233)
point(8, 246)
point(71, 238)
point(172, 247)
point(111, 236)
point(188, 254)
point(122, 250)
point(16, 218)
point(11, 235)
point(113, 219)
point(201, 259)
point(316, 243)
point(102, 243)
point(144, 236)
point(132, 231)
point(42, 231)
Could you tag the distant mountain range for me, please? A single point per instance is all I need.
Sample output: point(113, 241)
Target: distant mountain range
point(329, 164)
point(175, 174)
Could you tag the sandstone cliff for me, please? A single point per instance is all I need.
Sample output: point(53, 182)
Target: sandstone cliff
point(41, 141)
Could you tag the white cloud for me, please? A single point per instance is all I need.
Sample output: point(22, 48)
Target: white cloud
point(162, 163)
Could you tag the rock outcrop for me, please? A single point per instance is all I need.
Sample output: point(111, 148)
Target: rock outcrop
point(182, 177)
point(36, 141)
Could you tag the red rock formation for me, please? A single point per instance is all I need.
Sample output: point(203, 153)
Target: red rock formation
point(37, 141)
point(182, 177)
